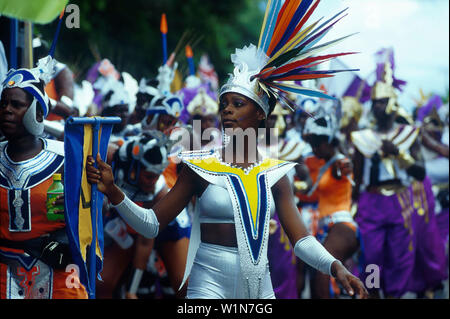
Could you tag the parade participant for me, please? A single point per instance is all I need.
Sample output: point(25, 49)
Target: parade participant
point(34, 251)
point(147, 90)
point(435, 147)
point(430, 266)
point(164, 107)
point(163, 111)
point(232, 224)
point(435, 152)
point(385, 160)
point(336, 228)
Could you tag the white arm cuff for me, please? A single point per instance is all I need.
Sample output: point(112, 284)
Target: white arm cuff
point(142, 220)
point(314, 254)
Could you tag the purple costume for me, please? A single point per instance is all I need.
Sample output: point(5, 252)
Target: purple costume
point(282, 264)
point(387, 237)
point(430, 263)
point(403, 240)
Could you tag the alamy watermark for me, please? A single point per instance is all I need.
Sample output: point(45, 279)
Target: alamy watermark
point(73, 18)
point(373, 277)
point(73, 279)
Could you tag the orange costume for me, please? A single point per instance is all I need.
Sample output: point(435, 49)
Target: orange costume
point(334, 197)
point(309, 209)
point(23, 194)
point(52, 93)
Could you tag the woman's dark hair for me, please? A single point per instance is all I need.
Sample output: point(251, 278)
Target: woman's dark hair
point(272, 103)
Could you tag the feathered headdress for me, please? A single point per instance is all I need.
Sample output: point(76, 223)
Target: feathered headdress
point(285, 52)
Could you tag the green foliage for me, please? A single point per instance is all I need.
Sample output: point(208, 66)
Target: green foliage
point(127, 33)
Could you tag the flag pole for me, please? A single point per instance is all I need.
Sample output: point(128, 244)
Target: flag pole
point(94, 213)
point(55, 38)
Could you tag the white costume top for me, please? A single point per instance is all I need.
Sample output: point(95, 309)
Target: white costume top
point(251, 203)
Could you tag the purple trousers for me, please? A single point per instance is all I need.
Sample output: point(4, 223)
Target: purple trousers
point(430, 267)
point(400, 235)
point(386, 234)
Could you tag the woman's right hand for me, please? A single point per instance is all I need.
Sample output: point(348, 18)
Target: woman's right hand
point(102, 176)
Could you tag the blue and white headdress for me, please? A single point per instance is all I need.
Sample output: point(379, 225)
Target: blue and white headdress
point(28, 80)
point(162, 101)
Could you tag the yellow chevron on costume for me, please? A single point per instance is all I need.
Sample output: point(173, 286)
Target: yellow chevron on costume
point(250, 185)
point(85, 219)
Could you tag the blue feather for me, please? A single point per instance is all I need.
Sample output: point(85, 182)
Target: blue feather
point(270, 24)
point(304, 92)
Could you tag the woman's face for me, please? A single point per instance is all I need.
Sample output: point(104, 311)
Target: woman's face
point(14, 103)
point(147, 181)
point(238, 111)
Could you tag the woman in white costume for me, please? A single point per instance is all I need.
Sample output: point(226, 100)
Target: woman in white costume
point(236, 189)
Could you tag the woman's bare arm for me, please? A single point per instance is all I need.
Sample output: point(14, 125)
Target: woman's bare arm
point(166, 209)
point(287, 211)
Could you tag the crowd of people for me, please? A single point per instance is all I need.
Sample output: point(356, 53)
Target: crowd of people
point(355, 188)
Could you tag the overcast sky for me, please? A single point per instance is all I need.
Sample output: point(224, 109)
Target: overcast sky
point(418, 30)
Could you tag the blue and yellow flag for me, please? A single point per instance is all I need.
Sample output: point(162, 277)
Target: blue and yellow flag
point(79, 213)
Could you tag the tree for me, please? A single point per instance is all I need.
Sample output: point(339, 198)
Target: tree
point(128, 33)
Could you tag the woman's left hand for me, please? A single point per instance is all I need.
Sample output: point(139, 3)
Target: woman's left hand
point(350, 283)
point(341, 168)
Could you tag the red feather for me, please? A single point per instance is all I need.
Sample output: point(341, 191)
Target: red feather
point(299, 77)
point(297, 64)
